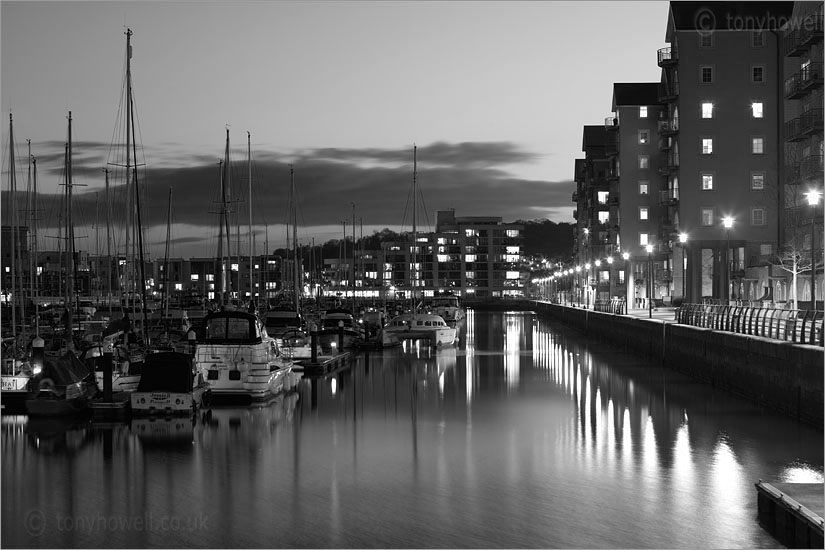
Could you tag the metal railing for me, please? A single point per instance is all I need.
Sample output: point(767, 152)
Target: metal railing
point(617, 306)
point(790, 325)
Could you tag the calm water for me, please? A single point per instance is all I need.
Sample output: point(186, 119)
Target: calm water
point(522, 436)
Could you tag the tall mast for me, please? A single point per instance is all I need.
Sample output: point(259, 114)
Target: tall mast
point(108, 243)
point(35, 288)
point(352, 269)
point(70, 244)
point(227, 284)
point(294, 221)
point(415, 230)
point(131, 124)
point(165, 297)
point(30, 221)
point(97, 242)
point(249, 200)
point(13, 208)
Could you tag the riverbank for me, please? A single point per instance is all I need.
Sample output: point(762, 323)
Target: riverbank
point(783, 376)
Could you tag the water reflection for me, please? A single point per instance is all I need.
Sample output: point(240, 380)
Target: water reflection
point(518, 437)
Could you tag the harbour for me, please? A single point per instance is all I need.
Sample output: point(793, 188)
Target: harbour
point(511, 438)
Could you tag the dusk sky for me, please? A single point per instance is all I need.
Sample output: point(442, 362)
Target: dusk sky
point(494, 94)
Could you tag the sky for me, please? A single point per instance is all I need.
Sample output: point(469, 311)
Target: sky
point(492, 94)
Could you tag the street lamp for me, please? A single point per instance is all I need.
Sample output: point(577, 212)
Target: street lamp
point(587, 285)
point(683, 237)
point(813, 199)
point(626, 257)
point(649, 249)
point(727, 222)
point(579, 284)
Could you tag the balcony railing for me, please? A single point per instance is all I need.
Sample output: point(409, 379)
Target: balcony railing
point(611, 123)
point(668, 197)
point(668, 92)
point(807, 32)
point(668, 127)
point(664, 144)
point(799, 84)
point(667, 56)
point(671, 163)
point(804, 125)
point(611, 146)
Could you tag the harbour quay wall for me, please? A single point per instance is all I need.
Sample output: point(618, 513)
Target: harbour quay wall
point(783, 376)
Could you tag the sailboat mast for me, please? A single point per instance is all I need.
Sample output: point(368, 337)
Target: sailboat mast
point(70, 244)
point(294, 222)
point(35, 288)
point(415, 230)
point(13, 208)
point(249, 200)
point(352, 268)
point(165, 296)
point(108, 243)
point(227, 283)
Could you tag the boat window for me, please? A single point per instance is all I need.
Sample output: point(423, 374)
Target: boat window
point(428, 323)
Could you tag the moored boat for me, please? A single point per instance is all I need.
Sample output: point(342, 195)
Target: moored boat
point(418, 326)
point(239, 359)
point(63, 387)
point(169, 385)
point(335, 321)
point(448, 306)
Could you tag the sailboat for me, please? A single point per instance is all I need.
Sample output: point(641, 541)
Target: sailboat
point(64, 386)
point(234, 353)
point(417, 325)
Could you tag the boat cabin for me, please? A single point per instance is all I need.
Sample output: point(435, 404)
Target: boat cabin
point(232, 327)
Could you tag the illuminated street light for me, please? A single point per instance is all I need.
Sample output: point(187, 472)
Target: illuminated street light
point(649, 249)
point(683, 238)
point(727, 222)
point(813, 200)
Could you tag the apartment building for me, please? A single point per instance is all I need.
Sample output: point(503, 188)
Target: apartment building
point(801, 227)
point(643, 197)
point(723, 97)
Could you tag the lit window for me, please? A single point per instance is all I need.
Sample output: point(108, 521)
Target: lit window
point(707, 74)
point(757, 73)
point(604, 217)
point(210, 277)
point(707, 182)
point(758, 181)
point(601, 196)
point(178, 286)
point(707, 146)
point(643, 239)
point(643, 187)
point(643, 111)
point(642, 213)
point(470, 275)
point(513, 233)
point(468, 258)
point(706, 215)
point(469, 232)
point(193, 277)
point(707, 110)
point(644, 137)
point(757, 216)
point(757, 145)
point(512, 275)
point(513, 249)
point(443, 258)
point(756, 109)
point(234, 267)
point(644, 161)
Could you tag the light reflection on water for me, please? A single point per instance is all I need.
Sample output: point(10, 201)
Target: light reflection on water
point(523, 436)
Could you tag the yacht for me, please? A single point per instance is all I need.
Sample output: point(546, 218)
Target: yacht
point(418, 326)
point(239, 359)
point(449, 307)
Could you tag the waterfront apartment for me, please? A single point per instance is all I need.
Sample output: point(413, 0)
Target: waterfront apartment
point(720, 81)
point(801, 227)
point(643, 196)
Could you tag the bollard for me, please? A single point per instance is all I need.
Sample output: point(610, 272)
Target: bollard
point(341, 336)
point(107, 371)
point(313, 336)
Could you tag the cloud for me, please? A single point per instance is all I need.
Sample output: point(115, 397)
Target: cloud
point(474, 178)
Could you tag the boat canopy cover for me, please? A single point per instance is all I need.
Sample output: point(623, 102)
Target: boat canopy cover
point(65, 370)
point(167, 371)
point(232, 327)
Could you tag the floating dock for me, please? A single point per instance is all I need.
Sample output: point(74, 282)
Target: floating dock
point(325, 363)
point(792, 512)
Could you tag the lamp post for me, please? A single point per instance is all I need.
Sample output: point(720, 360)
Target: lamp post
point(813, 200)
point(683, 237)
point(579, 284)
point(587, 285)
point(626, 257)
point(595, 283)
point(727, 222)
point(649, 249)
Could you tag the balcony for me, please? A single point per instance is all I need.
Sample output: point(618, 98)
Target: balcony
point(612, 174)
point(801, 127)
point(668, 127)
point(799, 84)
point(671, 164)
point(611, 123)
point(664, 144)
point(668, 92)
point(667, 57)
point(611, 145)
point(669, 197)
point(809, 168)
point(808, 32)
